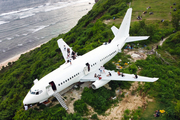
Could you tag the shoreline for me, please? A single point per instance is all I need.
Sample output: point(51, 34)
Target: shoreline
point(16, 57)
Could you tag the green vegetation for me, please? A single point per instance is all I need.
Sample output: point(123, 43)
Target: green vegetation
point(99, 99)
point(150, 110)
point(46, 113)
point(161, 9)
point(176, 18)
point(172, 45)
point(134, 114)
point(80, 107)
point(17, 78)
point(166, 90)
point(94, 117)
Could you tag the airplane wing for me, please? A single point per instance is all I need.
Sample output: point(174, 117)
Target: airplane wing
point(65, 49)
point(114, 76)
point(90, 76)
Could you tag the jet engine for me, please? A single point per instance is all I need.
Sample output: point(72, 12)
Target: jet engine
point(99, 83)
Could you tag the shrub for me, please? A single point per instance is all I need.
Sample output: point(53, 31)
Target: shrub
point(166, 23)
point(80, 107)
point(94, 116)
point(132, 69)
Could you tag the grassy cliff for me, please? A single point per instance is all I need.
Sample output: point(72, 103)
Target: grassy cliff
point(17, 78)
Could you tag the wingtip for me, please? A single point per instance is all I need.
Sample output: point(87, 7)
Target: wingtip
point(155, 79)
point(129, 9)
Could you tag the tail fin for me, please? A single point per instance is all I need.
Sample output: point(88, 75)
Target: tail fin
point(123, 31)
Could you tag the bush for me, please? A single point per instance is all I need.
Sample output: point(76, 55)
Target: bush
point(99, 99)
point(94, 117)
point(133, 69)
point(80, 107)
point(166, 23)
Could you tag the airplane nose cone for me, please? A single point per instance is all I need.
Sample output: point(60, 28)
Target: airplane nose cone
point(29, 99)
point(26, 99)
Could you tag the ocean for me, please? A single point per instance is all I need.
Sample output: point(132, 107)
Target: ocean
point(25, 24)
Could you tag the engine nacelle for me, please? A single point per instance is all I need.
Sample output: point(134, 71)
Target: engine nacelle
point(99, 83)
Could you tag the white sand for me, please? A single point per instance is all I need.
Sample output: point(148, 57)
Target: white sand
point(15, 58)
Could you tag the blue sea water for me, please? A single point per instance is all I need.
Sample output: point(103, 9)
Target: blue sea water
point(25, 24)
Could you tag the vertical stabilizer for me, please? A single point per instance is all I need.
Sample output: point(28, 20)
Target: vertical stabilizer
point(125, 25)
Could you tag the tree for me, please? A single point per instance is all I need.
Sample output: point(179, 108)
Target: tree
point(177, 109)
point(80, 107)
point(176, 19)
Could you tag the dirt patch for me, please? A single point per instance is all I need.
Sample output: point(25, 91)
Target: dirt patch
point(72, 96)
point(130, 102)
point(107, 21)
point(137, 55)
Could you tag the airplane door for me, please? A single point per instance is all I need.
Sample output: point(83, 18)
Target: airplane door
point(49, 90)
point(87, 68)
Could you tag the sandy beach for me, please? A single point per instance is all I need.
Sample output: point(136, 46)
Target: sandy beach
point(15, 58)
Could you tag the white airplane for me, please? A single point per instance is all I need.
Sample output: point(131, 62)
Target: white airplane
point(83, 68)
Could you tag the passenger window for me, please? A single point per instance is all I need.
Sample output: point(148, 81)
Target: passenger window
point(66, 80)
point(37, 93)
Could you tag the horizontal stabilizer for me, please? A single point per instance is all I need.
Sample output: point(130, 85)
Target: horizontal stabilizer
point(63, 46)
point(138, 38)
point(114, 30)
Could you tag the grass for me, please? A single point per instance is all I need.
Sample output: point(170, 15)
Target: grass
point(168, 57)
point(161, 9)
point(148, 114)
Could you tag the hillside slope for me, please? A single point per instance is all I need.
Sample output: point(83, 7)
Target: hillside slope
point(17, 78)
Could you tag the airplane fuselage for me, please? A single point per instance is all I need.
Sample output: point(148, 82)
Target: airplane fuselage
point(68, 74)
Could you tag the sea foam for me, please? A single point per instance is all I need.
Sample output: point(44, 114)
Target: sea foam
point(3, 22)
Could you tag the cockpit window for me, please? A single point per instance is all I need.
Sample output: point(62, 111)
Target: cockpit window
point(32, 92)
point(36, 93)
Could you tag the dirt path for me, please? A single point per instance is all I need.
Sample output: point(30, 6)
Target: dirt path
point(118, 20)
point(162, 41)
